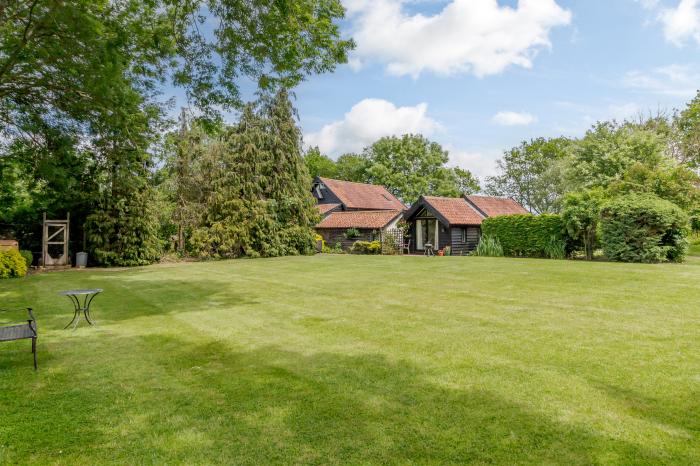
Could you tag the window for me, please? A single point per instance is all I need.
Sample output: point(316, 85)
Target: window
point(464, 235)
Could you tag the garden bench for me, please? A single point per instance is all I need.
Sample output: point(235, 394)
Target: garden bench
point(21, 332)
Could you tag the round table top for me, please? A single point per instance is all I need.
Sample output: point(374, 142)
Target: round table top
point(81, 292)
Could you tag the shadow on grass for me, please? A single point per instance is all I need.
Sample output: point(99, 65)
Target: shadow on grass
point(167, 399)
point(681, 414)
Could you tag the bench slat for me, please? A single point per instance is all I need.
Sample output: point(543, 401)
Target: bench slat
point(16, 332)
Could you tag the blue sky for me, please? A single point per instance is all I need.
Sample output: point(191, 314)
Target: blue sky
point(479, 76)
point(585, 60)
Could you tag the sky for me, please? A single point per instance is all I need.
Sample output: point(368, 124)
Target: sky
point(480, 76)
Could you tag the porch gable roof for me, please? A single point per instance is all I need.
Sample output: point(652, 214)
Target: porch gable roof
point(448, 210)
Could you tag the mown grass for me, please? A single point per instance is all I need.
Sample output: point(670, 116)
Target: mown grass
point(360, 360)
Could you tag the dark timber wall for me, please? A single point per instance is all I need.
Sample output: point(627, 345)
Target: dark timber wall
point(460, 248)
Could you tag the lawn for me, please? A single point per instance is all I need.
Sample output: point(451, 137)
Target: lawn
point(356, 359)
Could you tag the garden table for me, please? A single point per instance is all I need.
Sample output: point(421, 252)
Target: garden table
point(84, 307)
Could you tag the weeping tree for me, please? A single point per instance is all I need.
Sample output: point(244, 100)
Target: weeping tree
point(258, 203)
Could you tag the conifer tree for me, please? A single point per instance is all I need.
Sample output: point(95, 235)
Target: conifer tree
point(259, 202)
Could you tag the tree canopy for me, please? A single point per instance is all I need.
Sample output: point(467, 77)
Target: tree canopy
point(80, 107)
point(532, 174)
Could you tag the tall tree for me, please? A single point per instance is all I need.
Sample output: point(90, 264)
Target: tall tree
point(259, 203)
point(411, 166)
point(532, 174)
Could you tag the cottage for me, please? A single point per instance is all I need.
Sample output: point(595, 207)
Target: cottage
point(369, 209)
point(453, 222)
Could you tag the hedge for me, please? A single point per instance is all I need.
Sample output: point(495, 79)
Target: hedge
point(12, 264)
point(527, 235)
point(643, 228)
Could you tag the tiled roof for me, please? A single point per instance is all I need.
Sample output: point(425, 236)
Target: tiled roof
point(363, 196)
point(493, 206)
point(323, 208)
point(359, 219)
point(455, 210)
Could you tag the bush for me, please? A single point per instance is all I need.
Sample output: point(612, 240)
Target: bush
point(488, 247)
point(366, 247)
point(351, 233)
point(28, 257)
point(643, 228)
point(12, 264)
point(526, 234)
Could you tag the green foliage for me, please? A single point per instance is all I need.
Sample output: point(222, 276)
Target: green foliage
point(532, 174)
point(643, 228)
point(366, 247)
point(668, 180)
point(580, 215)
point(123, 231)
point(695, 221)
point(80, 114)
point(525, 234)
point(448, 251)
point(351, 167)
point(12, 264)
point(351, 233)
point(336, 249)
point(610, 149)
point(555, 248)
point(488, 246)
point(258, 202)
point(687, 126)
point(410, 166)
point(390, 247)
point(28, 257)
point(320, 165)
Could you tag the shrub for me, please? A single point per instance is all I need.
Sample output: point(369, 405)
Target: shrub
point(366, 247)
point(12, 264)
point(643, 228)
point(488, 247)
point(526, 234)
point(351, 233)
point(28, 257)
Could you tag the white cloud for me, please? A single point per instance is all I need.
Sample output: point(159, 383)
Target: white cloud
point(369, 120)
point(480, 163)
point(467, 36)
point(672, 80)
point(682, 23)
point(513, 119)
